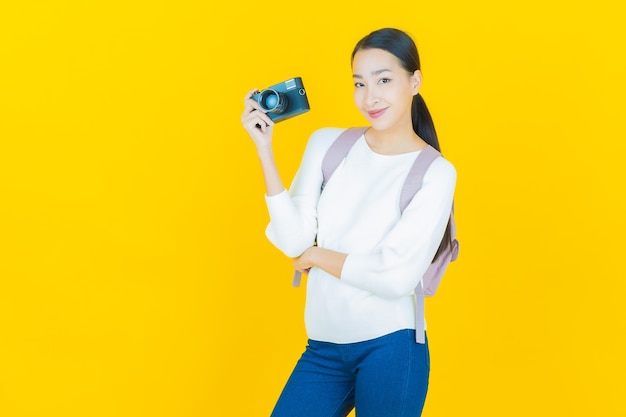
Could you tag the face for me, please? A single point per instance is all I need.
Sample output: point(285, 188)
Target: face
point(383, 89)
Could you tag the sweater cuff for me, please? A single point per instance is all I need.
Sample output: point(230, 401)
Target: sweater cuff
point(350, 270)
point(276, 202)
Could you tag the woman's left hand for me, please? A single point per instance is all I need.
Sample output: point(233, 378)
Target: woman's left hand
point(303, 263)
point(328, 260)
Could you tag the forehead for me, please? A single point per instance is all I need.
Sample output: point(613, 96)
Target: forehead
point(367, 61)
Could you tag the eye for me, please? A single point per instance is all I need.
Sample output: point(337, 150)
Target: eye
point(358, 84)
point(384, 80)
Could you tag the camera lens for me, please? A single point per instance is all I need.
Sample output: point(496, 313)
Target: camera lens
point(272, 101)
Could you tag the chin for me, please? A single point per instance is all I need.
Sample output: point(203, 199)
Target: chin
point(379, 124)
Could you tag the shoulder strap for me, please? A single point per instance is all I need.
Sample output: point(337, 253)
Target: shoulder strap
point(411, 186)
point(338, 150)
point(415, 177)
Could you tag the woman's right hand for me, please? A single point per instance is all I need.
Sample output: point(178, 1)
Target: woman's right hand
point(256, 122)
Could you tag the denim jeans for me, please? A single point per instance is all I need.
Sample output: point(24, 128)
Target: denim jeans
point(382, 377)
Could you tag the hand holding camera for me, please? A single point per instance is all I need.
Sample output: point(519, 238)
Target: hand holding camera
point(284, 100)
point(272, 105)
point(279, 102)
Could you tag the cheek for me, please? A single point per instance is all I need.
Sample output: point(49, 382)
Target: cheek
point(404, 94)
point(358, 96)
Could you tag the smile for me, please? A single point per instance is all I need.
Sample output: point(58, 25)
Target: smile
point(376, 113)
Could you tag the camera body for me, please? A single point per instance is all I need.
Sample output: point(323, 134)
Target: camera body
point(284, 100)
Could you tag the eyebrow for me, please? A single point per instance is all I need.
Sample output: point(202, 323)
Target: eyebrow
point(377, 72)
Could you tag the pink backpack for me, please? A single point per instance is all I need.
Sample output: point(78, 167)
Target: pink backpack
point(432, 277)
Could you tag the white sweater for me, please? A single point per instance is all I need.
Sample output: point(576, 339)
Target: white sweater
point(358, 214)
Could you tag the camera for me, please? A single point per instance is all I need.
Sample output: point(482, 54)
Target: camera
point(284, 100)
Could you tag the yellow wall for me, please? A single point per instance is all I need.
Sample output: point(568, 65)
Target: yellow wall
point(135, 278)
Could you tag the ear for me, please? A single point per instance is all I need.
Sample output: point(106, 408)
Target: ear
point(416, 81)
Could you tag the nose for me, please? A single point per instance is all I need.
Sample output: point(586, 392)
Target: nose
point(371, 98)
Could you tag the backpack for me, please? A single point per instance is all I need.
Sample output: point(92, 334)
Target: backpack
point(432, 277)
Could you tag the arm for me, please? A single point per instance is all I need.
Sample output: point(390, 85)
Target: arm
point(287, 220)
point(260, 128)
point(326, 259)
point(396, 265)
point(293, 214)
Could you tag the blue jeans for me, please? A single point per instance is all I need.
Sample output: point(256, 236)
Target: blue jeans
point(382, 377)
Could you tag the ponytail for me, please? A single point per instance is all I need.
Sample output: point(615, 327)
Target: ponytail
point(425, 128)
point(423, 123)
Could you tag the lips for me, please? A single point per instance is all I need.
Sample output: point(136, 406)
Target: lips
point(376, 113)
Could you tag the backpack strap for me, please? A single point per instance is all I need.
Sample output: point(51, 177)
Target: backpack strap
point(335, 154)
point(415, 177)
point(338, 151)
point(412, 185)
point(434, 272)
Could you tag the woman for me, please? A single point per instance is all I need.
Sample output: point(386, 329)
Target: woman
point(360, 307)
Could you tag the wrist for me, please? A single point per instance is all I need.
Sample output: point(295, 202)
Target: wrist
point(313, 255)
point(265, 151)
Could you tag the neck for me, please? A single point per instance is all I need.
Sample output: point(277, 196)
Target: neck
point(393, 141)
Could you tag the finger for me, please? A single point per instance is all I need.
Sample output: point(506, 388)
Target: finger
point(254, 105)
point(255, 122)
point(249, 94)
point(263, 126)
point(265, 118)
point(250, 104)
point(259, 116)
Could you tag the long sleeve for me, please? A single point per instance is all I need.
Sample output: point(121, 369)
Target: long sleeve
point(396, 265)
point(293, 213)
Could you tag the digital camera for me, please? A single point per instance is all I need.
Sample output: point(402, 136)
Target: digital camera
point(284, 100)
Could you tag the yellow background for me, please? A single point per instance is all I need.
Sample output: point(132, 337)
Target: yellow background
point(135, 278)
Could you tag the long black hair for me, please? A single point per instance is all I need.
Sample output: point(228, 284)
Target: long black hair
point(402, 46)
